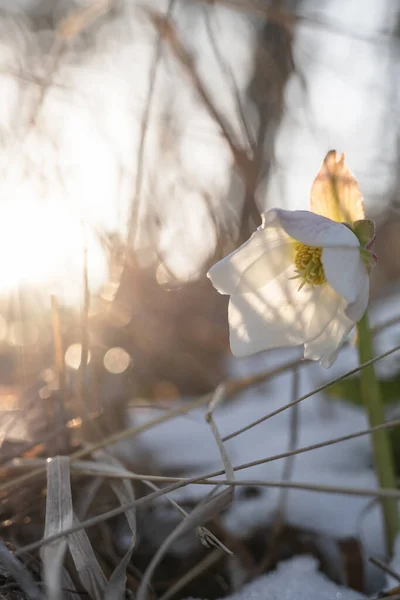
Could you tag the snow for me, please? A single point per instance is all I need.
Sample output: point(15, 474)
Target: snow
point(298, 579)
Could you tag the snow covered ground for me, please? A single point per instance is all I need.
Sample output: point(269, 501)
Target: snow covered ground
point(297, 579)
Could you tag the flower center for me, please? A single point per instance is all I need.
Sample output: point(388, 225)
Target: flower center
point(309, 268)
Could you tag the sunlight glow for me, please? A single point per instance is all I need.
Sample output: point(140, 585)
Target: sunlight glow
point(42, 245)
point(22, 333)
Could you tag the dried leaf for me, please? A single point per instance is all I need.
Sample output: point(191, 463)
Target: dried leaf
point(335, 193)
point(59, 517)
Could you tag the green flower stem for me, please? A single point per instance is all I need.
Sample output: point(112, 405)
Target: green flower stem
point(383, 457)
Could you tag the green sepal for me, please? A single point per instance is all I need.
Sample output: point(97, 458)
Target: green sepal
point(365, 231)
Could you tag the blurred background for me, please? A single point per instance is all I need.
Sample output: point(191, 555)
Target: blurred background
point(139, 143)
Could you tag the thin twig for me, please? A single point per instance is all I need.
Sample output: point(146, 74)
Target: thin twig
point(136, 201)
point(279, 520)
point(206, 537)
point(84, 329)
point(24, 463)
point(308, 395)
point(378, 563)
point(293, 439)
point(58, 345)
point(165, 27)
point(226, 69)
point(217, 399)
point(363, 492)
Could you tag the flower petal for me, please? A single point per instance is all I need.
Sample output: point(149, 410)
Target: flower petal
point(315, 230)
point(265, 255)
point(345, 271)
point(335, 192)
point(325, 347)
point(266, 268)
point(252, 330)
point(279, 315)
point(356, 310)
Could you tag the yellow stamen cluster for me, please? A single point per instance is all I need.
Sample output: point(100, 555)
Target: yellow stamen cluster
point(309, 268)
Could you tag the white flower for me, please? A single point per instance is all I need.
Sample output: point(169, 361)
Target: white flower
point(301, 279)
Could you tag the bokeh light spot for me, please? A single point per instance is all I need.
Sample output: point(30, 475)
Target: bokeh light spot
point(116, 360)
point(73, 356)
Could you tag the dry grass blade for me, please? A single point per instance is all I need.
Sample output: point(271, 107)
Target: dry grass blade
point(123, 489)
point(59, 518)
point(218, 397)
point(19, 572)
point(204, 511)
point(86, 563)
point(86, 495)
point(115, 589)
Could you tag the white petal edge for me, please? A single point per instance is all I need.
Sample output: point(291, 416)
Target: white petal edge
point(315, 230)
point(262, 250)
point(345, 271)
point(325, 348)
